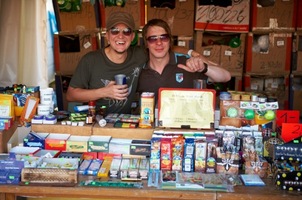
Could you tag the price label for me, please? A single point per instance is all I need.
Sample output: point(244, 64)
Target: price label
point(291, 131)
point(287, 116)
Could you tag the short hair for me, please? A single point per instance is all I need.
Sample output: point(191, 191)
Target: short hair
point(160, 23)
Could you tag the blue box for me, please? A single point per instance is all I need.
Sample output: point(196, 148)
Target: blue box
point(35, 140)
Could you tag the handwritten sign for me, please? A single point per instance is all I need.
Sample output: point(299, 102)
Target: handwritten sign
point(186, 108)
point(291, 131)
point(287, 116)
point(233, 18)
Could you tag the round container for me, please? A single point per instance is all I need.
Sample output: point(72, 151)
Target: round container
point(225, 96)
point(46, 96)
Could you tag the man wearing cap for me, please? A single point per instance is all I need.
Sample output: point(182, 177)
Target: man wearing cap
point(94, 76)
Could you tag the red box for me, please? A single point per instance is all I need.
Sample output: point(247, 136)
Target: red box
point(180, 16)
point(233, 18)
point(56, 141)
point(268, 54)
point(280, 15)
point(135, 7)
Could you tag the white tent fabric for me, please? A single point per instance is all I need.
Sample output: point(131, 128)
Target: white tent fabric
point(25, 43)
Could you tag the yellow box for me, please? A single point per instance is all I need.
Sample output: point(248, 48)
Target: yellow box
point(147, 106)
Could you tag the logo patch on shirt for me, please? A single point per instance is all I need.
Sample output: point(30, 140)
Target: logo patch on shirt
point(179, 77)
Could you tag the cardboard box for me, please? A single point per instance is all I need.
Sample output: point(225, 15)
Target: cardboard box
point(269, 53)
point(299, 16)
point(135, 7)
point(226, 49)
point(178, 14)
point(35, 140)
point(233, 17)
point(85, 19)
point(297, 53)
point(70, 47)
point(278, 15)
point(271, 86)
point(296, 90)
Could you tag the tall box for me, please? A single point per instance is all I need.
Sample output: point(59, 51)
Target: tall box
point(269, 53)
point(178, 14)
point(278, 15)
point(147, 106)
point(70, 47)
point(226, 49)
point(135, 7)
point(223, 16)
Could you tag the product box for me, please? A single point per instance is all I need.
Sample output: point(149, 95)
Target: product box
point(46, 153)
point(56, 141)
point(224, 16)
point(135, 7)
point(227, 162)
point(70, 47)
point(98, 143)
point(10, 171)
point(269, 53)
point(259, 166)
point(19, 150)
point(34, 139)
point(7, 106)
point(120, 146)
point(178, 14)
point(278, 15)
point(147, 106)
point(84, 19)
point(76, 143)
point(225, 49)
point(140, 147)
point(184, 41)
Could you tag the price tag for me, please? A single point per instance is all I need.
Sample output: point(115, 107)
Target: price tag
point(287, 116)
point(291, 131)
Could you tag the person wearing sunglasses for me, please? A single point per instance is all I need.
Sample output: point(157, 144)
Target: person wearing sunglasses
point(168, 69)
point(93, 79)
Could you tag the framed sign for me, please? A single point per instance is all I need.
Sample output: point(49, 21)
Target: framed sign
point(186, 108)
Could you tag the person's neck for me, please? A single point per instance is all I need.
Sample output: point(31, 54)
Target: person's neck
point(158, 64)
point(115, 56)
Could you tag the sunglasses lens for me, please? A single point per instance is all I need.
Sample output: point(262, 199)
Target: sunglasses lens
point(126, 31)
point(154, 38)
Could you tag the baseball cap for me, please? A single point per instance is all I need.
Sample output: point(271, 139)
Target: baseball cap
point(120, 17)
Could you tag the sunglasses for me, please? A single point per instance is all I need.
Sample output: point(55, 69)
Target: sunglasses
point(126, 31)
point(162, 38)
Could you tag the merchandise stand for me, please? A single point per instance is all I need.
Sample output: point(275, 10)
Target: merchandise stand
point(268, 192)
point(11, 192)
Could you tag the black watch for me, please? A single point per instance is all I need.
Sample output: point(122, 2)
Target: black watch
point(205, 69)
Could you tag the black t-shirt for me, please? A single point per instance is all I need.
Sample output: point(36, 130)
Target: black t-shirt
point(95, 70)
point(171, 77)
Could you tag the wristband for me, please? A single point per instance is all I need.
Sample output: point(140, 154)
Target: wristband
point(190, 52)
point(205, 69)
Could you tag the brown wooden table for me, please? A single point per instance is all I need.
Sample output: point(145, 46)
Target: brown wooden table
point(268, 192)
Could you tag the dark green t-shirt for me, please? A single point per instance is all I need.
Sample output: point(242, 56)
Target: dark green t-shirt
point(95, 70)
